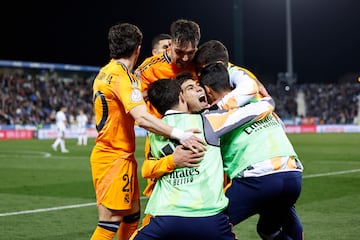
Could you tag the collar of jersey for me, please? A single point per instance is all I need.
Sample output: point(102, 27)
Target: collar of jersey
point(167, 57)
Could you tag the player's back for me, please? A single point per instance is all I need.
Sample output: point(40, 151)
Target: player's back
point(114, 92)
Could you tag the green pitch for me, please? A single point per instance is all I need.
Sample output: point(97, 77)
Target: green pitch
point(49, 195)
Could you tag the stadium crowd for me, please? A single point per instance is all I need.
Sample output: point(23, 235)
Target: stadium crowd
point(32, 97)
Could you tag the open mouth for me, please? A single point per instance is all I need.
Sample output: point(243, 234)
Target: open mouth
point(203, 100)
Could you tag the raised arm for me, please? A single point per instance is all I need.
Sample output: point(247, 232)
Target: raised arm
point(224, 121)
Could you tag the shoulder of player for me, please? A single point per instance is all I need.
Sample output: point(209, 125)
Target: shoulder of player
point(113, 69)
point(151, 61)
point(234, 70)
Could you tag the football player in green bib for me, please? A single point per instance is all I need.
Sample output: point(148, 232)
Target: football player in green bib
point(192, 198)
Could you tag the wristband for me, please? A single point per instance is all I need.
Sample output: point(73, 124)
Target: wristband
point(180, 135)
point(177, 134)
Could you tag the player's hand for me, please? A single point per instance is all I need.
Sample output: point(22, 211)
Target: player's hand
point(189, 140)
point(195, 144)
point(262, 90)
point(184, 157)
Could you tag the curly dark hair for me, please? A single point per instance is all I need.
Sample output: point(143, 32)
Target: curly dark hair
point(124, 38)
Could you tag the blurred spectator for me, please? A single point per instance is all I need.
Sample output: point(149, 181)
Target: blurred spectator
point(81, 122)
point(329, 103)
point(29, 96)
point(61, 124)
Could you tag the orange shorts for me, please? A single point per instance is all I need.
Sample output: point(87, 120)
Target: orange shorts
point(115, 180)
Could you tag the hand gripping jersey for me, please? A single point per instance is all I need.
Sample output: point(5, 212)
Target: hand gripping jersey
point(198, 191)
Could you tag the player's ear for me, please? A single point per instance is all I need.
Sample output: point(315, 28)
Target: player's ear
point(137, 50)
point(181, 98)
point(207, 90)
point(154, 52)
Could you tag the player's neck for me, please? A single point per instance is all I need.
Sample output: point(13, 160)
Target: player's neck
point(126, 62)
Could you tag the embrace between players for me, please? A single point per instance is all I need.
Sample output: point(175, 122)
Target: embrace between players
point(205, 117)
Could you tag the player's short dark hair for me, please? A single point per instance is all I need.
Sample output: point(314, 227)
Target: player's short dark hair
point(159, 37)
point(216, 77)
point(123, 39)
point(211, 51)
point(185, 31)
point(164, 94)
point(182, 77)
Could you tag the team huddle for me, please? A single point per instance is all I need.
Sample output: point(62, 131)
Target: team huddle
point(216, 153)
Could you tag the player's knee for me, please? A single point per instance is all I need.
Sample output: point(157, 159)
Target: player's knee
point(132, 217)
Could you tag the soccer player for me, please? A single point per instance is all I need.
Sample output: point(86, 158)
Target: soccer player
point(190, 198)
point(81, 121)
point(160, 43)
point(265, 171)
point(245, 83)
point(118, 104)
point(246, 87)
point(61, 123)
point(185, 37)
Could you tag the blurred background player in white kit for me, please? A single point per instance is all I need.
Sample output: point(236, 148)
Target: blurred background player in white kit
point(81, 121)
point(61, 123)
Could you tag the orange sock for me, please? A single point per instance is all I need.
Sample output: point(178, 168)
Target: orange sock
point(127, 229)
point(102, 234)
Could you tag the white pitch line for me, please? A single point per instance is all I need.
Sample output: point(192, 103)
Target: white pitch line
point(46, 209)
point(51, 209)
point(331, 173)
point(93, 204)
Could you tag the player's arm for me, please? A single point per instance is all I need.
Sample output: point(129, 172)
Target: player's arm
point(153, 124)
point(181, 157)
point(153, 168)
point(262, 90)
point(225, 121)
point(246, 89)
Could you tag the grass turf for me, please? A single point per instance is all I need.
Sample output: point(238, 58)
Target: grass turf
point(49, 195)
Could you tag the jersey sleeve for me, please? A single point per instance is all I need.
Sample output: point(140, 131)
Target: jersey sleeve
point(153, 167)
point(129, 91)
point(245, 90)
point(223, 121)
point(145, 72)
